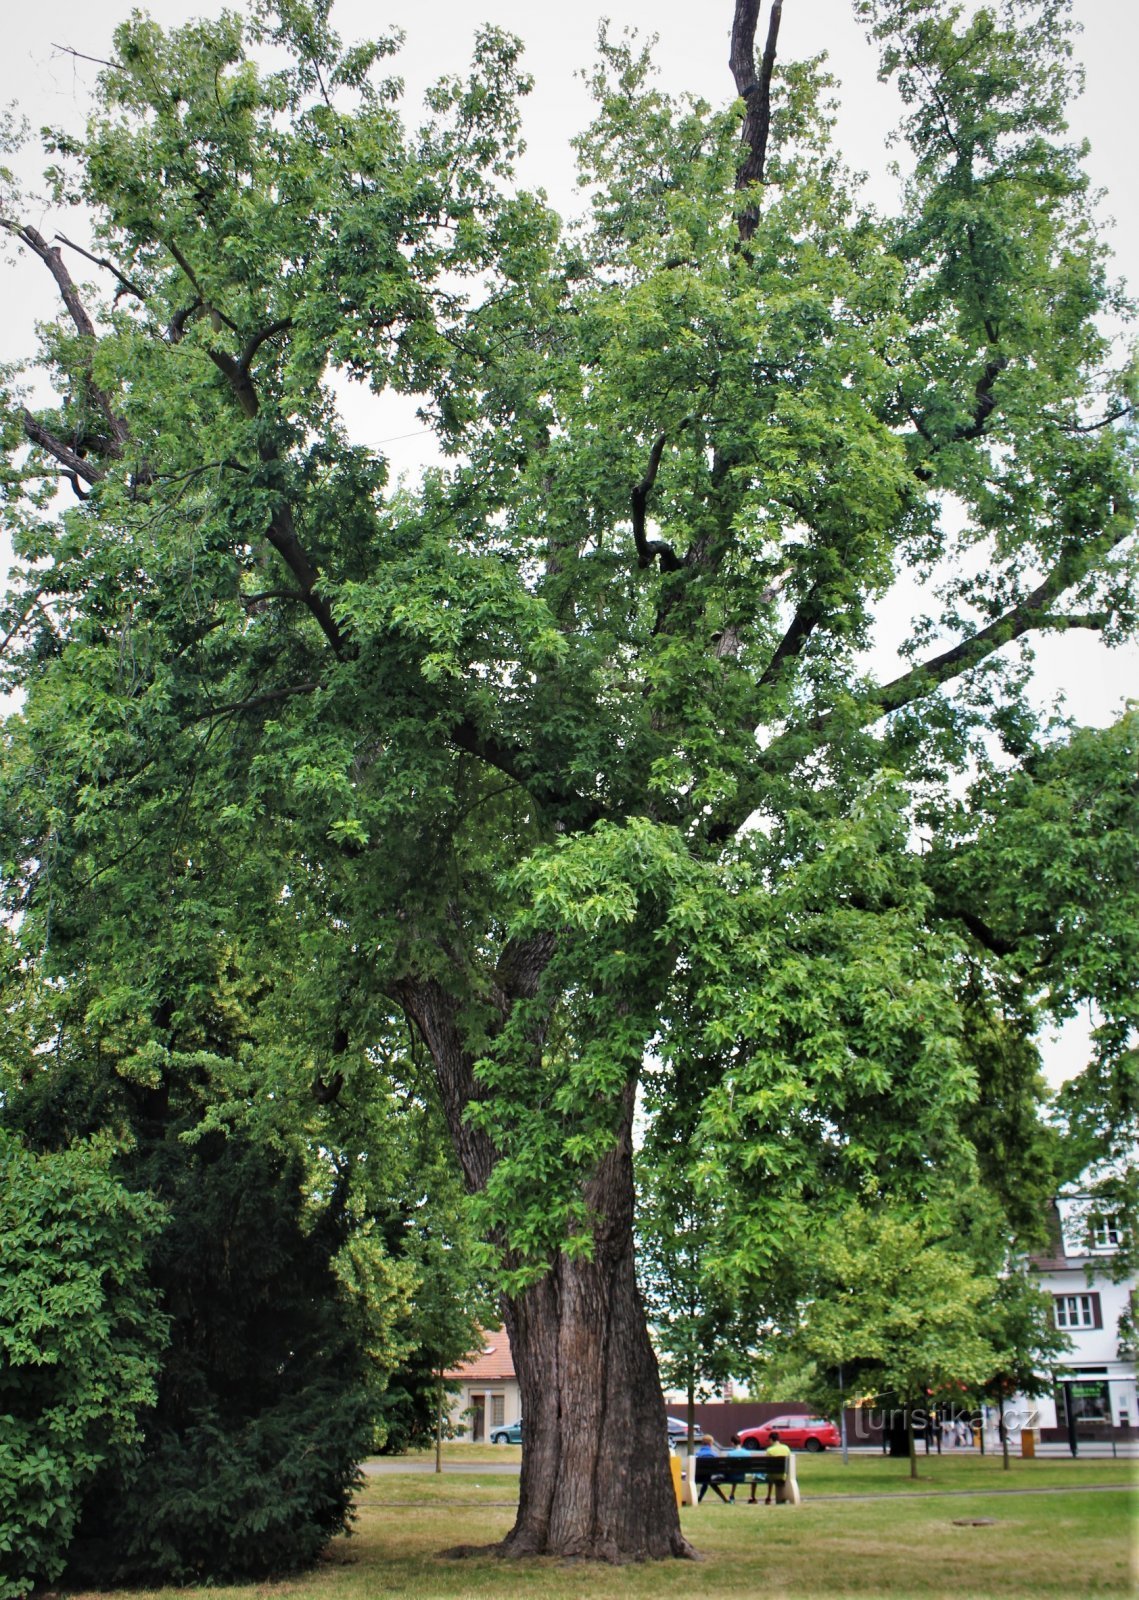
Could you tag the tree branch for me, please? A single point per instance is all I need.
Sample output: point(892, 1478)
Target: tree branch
point(269, 697)
point(985, 403)
point(219, 315)
point(19, 622)
point(1032, 613)
point(102, 261)
point(72, 463)
point(790, 647)
point(981, 931)
point(178, 321)
point(755, 91)
point(98, 61)
point(281, 326)
point(282, 535)
point(52, 258)
point(648, 549)
point(1104, 422)
point(239, 381)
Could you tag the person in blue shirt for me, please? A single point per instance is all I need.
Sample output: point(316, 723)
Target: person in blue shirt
point(739, 1449)
point(707, 1448)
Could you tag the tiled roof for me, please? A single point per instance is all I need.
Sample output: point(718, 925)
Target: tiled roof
point(493, 1361)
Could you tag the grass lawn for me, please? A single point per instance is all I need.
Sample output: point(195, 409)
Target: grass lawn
point(901, 1540)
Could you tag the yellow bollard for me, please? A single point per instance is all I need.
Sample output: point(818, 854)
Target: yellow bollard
point(674, 1463)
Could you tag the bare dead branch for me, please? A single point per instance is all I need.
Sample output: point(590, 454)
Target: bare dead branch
point(66, 50)
point(102, 261)
point(52, 258)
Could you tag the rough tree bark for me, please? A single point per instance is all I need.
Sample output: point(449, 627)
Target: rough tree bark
point(595, 1478)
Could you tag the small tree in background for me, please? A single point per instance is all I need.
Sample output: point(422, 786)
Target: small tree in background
point(1019, 1324)
point(286, 1312)
point(695, 1330)
point(891, 1302)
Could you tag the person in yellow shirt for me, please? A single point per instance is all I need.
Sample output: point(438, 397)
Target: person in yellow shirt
point(775, 1447)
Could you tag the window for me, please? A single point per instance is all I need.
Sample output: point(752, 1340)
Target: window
point(1105, 1232)
point(497, 1410)
point(1078, 1311)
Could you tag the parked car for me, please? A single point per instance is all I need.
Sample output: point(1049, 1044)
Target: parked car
point(800, 1433)
point(678, 1431)
point(510, 1435)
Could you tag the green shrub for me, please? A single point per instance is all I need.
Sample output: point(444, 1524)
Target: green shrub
point(264, 1409)
point(80, 1334)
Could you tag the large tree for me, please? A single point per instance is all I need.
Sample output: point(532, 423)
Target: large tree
point(570, 752)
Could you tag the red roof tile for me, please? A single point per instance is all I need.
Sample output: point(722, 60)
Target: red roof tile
point(493, 1361)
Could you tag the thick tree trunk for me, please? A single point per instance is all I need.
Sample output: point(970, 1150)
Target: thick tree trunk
point(595, 1477)
point(596, 1483)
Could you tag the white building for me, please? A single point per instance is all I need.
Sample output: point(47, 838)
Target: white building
point(1087, 1305)
point(489, 1395)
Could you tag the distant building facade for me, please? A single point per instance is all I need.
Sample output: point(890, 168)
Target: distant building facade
point(1096, 1385)
point(489, 1396)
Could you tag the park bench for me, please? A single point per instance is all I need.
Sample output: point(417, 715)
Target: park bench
point(755, 1468)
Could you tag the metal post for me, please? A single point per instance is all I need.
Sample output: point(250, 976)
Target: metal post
point(842, 1417)
point(1073, 1446)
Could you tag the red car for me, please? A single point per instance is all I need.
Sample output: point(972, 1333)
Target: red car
point(800, 1433)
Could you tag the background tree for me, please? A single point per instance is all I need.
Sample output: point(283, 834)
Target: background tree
point(1019, 1324)
point(572, 749)
point(697, 1334)
point(897, 1308)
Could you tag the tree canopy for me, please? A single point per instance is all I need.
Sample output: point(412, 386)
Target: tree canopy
point(568, 758)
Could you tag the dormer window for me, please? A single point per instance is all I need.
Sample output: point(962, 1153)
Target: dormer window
point(1105, 1233)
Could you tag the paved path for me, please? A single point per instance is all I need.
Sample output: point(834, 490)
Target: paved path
point(383, 1466)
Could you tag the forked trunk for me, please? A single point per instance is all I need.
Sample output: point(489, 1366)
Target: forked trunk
point(596, 1483)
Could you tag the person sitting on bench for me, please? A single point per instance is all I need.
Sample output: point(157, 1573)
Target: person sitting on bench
point(707, 1448)
point(747, 1449)
point(776, 1447)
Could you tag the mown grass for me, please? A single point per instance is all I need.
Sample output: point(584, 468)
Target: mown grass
point(924, 1547)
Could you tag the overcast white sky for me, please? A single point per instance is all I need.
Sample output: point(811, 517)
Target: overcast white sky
point(51, 87)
